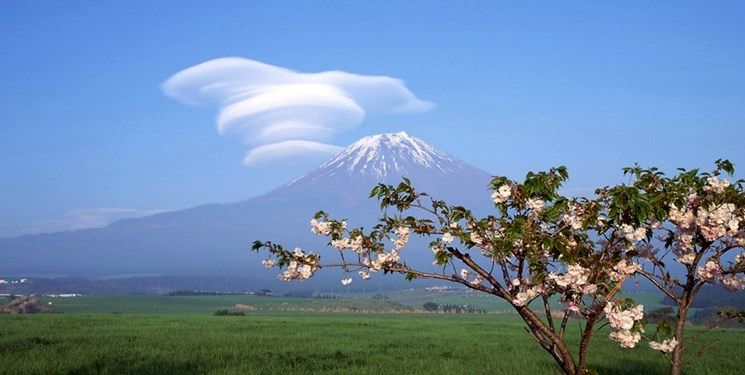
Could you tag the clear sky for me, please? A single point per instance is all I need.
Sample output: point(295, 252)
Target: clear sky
point(87, 134)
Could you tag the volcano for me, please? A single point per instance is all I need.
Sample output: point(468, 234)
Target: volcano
point(214, 239)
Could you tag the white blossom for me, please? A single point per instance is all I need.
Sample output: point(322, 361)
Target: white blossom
point(383, 260)
point(502, 194)
point(716, 185)
point(718, 221)
point(322, 228)
point(526, 295)
point(572, 218)
point(623, 269)
point(664, 346)
point(575, 278)
point(633, 234)
point(301, 267)
point(536, 204)
point(626, 339)
point(681, 218)
point(464, 273)
point(622, 321)
point(403, 234)
point(733, 283)
point(710, 271)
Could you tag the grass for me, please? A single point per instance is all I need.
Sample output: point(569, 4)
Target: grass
point(416, 298)
point(181, 335)
point(302, 343)
point(210, 304)
point(397, 301)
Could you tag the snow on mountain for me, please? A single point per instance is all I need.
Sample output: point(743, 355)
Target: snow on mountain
point(386, 158)
point(394, 154)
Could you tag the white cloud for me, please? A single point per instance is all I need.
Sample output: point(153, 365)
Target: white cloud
point(289, 152)
point(84, 219)
point(268, 106)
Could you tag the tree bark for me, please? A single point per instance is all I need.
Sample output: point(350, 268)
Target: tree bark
point(549, 341)
point(677, 355)
point(584, 343)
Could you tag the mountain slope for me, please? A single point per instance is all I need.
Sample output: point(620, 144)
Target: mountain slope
point(386, 158)
point(213, 239)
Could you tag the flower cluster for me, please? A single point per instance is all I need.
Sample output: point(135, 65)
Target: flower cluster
point(664, 346)
point(575, 279)
point(301, 267)
point(633, 234)
point(322, 228)
point(573, 217)
point(326, 228)
point(623, 269)
point(716, 185)
point(536, 205)
point(698, 219)
point(625, 323)
point(733, 283)
point(684, 248)
point(382, 260)
point(403, 234)
point(502, 194)
point(356, 244)
point(682, 219)
point(477, 281)
point(718, 221)
point(710, 271)
point(477, 239)
point(526, 294)
point(447, 238)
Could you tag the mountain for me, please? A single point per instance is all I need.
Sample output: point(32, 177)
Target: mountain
point(386, 158)
point(214, 239)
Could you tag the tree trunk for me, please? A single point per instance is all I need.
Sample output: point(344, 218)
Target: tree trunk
point(677, 354)
point(549, 341)
point(584, 343)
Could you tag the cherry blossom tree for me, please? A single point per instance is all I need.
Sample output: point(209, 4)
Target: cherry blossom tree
point(536, 247)
point(695, 223)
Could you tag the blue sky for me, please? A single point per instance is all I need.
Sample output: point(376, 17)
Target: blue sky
point(87, 134)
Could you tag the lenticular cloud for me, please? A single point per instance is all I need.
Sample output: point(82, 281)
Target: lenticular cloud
point(284, 114)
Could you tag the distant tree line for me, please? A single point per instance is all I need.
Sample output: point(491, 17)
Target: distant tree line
point(325, 296)
point(263, 292)
point(452, 309)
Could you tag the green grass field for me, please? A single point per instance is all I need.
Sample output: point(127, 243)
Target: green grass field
point(180, 335)
point(209, 304)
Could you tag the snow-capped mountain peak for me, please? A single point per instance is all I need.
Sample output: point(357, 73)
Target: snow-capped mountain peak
point(386, 156)
point(387, 153)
